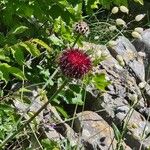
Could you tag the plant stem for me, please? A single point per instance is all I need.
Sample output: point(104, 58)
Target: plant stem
point(76, 40)
point(51, 77)
point(31, 119)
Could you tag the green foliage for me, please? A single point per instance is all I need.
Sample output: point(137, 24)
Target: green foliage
point(140, 1)
point(8, 119)
point(53, 145)
point(29, 19)
point(6, 70)
point(73, 94)
point(116, 132)
point(19, 30)
point(14, 55)
point(32, 35)
point(50, 145)
point(107, 4)
point(99, 80)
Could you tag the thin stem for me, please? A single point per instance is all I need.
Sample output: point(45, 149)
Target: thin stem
point(128, 117)
point(36, 138)
point(31, 119)
point(51, 77)
point(76, 40)
point(84, 98)
point(43, 88)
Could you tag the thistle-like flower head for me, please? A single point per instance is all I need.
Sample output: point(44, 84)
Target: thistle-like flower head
point(74, 63)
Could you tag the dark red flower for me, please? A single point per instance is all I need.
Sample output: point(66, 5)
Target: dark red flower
point(74, 63)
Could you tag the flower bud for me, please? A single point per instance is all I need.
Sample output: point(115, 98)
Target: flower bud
point(136, 35)
point(142, 54)
point(133, 97)
point(105, 54)
point(142, 85)
point(139, 17)
point(98, 53)
point(114, 10)
point(119, 21)
point(112, 28)
point(82, 27)
point(112, 43)
point(120, 60)
point(124, 9)
point(96, 37)
point(138, 29)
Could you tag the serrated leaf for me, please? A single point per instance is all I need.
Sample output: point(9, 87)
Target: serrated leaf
point(17, 72)
point(100, 81)
point(77, 99)
point(20, 29)
point(62, 111)
point(41, 43)
point(55, 40)
point(18, 54)
point(4, 72)
point(31, 48)
point(3, 57)
point(7, 70)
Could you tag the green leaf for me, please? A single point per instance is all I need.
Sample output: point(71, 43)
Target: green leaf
point(140, 1)
point(50, 144)
point(19, 30)
point(116, 132)
point(17, 72)
point(77, 99)
point(4, 75)
point(62, 111)
point(55, 40)
point(100, 81)
point(31, 48)
point(7, 70)
point(18, 54)
point(3, 57)
point(41, 43)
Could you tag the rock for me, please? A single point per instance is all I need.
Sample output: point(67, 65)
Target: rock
point(50, 133)
point(126, 102)
point(118, 111)
point(138, 69)
point(145, 37)
point(123, 93)
point(144, 46)
point(95, 132)
point(124, 48)
point(51, 124)
point(129, 54)
point(146, 143)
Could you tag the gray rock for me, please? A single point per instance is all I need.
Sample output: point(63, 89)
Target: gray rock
point(129, 54)
point(114, 105)
point(124, 48)
point(146, 143)
point(144, 45)
point(95, 133)
point(145, 37)
point(138, 69)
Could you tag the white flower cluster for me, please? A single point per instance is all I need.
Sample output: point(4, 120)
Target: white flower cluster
point(120, 22)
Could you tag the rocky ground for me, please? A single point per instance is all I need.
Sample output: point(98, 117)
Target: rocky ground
point(127, 102)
